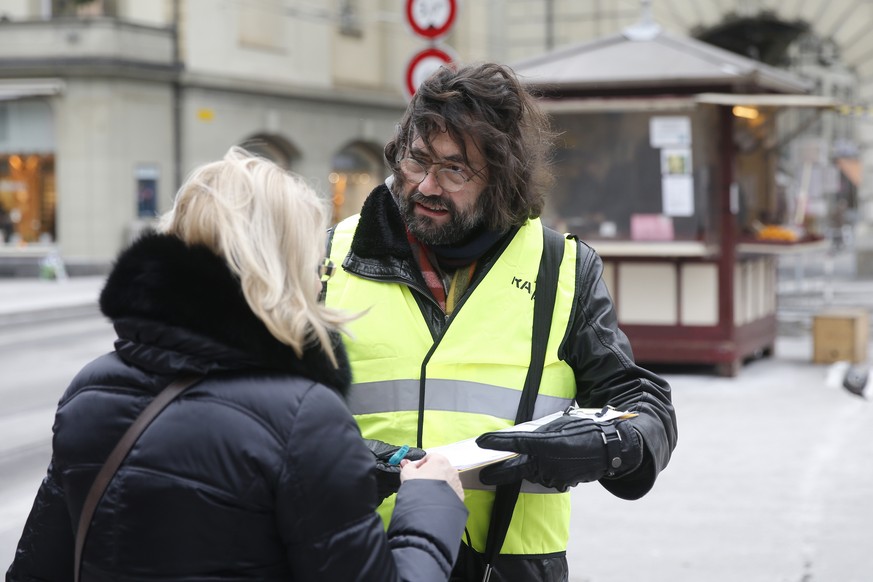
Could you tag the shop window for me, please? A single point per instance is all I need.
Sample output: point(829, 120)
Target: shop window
point(760, 189)
point(147, 177)
point(357, 169)
point(636, 175)
point(27, 198)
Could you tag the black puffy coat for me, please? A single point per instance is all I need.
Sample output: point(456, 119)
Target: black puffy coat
point(256, 473)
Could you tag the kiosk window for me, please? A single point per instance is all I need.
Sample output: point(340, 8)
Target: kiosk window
point(636, 175)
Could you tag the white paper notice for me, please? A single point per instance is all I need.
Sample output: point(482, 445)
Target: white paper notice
point(677, 193)
point(677, 183)
point(671, 130)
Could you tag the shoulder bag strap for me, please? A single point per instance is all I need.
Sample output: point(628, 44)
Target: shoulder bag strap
point(117, 456)
point(544, 305)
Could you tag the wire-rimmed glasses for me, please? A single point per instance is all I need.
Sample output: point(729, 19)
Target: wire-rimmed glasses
point(449, 179)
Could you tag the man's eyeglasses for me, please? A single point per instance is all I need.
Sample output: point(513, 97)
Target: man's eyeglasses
point(449, 179)
point(326, 270)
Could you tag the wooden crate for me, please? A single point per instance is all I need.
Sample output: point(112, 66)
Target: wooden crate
point(840, 335)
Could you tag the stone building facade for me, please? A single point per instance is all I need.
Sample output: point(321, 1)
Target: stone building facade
point(106, 105)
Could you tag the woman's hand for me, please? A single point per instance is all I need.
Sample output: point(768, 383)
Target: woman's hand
point(432, 466)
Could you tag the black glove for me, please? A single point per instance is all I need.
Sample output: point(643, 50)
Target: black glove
point(388, 476)
point(563, 453)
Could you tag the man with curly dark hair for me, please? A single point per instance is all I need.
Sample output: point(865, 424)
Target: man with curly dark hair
point(449, 260)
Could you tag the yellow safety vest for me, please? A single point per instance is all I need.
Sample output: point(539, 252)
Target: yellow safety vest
point(470, 378)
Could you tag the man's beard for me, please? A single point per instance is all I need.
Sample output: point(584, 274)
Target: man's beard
point(460, 224)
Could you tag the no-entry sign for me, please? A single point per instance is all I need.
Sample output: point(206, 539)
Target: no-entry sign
point(422, 65)
point(431, 18)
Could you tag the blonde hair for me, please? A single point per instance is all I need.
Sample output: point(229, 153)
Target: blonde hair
point(270, 227)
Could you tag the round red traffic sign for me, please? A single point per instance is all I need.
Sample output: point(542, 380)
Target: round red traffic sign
point(422, 65)
point(431, 18)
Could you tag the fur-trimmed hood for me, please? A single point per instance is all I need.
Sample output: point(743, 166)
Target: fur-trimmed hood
point(178, 307)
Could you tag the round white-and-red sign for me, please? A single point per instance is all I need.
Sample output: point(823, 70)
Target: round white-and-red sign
point(422, 65)
point(431, 18)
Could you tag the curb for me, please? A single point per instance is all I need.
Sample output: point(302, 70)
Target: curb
point(47, 315)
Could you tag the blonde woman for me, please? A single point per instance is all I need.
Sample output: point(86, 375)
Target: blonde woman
point(257, 472)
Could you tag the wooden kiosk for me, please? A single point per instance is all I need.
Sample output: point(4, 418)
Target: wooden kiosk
point(667, 166)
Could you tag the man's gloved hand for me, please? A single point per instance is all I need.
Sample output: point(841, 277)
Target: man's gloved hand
point(563, 453)
point(388, 476)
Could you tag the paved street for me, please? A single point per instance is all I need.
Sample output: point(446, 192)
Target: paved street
point(771, 480)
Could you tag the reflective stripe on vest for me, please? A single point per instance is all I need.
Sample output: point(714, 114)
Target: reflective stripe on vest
point(470, 379)
point(451, 395)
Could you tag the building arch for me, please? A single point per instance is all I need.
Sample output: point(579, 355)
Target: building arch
point(273, 147)
point(356, 169)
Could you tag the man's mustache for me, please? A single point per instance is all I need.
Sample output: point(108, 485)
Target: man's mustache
point(432, 202)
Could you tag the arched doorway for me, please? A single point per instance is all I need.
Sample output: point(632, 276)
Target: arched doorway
point(355, 171)
point(273, 147)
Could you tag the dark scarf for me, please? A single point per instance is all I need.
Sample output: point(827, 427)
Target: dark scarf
point(381, 233)
point(467, 251)
point(160, 283)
